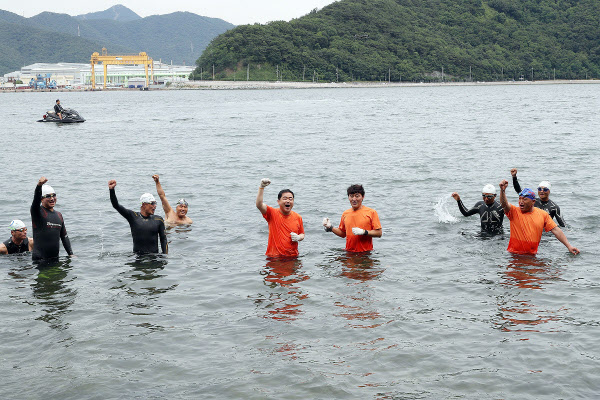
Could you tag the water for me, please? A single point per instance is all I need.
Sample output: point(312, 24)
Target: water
point(435, 312)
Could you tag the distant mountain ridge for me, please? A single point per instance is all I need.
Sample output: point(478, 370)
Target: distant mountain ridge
point(179, 37)
point(115, 13)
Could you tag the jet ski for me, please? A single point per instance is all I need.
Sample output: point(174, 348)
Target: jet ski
point(68, 116)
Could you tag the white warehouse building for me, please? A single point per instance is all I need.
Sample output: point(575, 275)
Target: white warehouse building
point(72, 74)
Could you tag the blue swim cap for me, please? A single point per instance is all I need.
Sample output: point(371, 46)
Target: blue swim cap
point(527, 193)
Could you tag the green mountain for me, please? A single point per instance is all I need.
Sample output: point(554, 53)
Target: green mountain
point(115, 13)
point(179, 37)
point(22, 45)
point(414, 40)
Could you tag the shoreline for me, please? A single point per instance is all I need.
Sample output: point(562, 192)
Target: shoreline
point(270, 85)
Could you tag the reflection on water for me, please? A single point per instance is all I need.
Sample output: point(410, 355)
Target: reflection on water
point(51, 290)
point(284, 299)
point(358, 303)
point(522, 274)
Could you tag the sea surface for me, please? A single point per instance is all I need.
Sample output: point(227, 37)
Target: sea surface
point(436, 311)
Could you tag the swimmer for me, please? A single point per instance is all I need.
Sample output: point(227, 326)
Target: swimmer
point(58, 110)
point(146, 228)
point(48, 225)
point(285, 226)
point(359, 224)
point(490, 212)
point(18, 242)
point(527, 223)
point(543, 201)
point(177, 217)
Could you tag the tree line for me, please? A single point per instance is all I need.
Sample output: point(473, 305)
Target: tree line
point(415, 40)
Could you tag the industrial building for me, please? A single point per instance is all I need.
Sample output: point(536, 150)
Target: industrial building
point(72, 74)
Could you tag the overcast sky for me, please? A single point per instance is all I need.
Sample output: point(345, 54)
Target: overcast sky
point(237, 12)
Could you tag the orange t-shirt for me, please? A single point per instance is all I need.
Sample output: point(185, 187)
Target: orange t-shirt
point(280, 227)
point(365, 218)
point(526, 229)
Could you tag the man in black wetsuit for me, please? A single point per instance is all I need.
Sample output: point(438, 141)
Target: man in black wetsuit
point(490, 211)
point(146, 228)
point(58, 110)
point(48, 225)
point(19, 242)
point(543, 201)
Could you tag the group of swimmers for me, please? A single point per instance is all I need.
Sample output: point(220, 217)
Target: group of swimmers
point(358, 225)
point(527, 222)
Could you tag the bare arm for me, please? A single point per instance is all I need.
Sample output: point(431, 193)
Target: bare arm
point(259, 197)
point(30, 244)
point(503, 200)
point(560, 235)
point(375, 232)
point(163, 198)
point(4, 250)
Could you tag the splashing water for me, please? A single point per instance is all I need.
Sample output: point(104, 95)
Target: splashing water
point(441, 210)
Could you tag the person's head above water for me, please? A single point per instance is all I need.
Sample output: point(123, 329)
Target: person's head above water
point(526, 200)
point(489, 194)
point(18, 231)
point(356, 195)
point(544, 190)
point(48, 197)
point(182, 208)
point(285, 199)
point(148, 204)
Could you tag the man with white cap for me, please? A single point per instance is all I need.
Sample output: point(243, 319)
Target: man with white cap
point(146, 228)
point(177, 217)
point(18, 242)
point(543, 201)
point(490, 211)
point(48, 225)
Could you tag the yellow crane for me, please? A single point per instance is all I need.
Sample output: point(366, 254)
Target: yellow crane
point(106, 60)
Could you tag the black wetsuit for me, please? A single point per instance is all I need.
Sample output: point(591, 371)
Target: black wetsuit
point(491, 216)
point(145, 231)
point(57, 109)
point(17, 248)
point(549, 206)
point(48, 227)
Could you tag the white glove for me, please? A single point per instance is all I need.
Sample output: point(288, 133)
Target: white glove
point(358, 231)
point(327, 224)
point(295, 237)
point(264, 182)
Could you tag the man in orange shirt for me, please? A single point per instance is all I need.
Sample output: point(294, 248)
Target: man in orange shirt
point(527, 223)
point(285, 226)
point(359, 224)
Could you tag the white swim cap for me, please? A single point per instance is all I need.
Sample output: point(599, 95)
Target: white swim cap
point(147, 198)
point(489, 189)
point(16, 224)
point(545, 184)
point(47, 189)
point(182, 202)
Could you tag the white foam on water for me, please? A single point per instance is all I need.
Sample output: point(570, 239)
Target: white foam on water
point(441, 210)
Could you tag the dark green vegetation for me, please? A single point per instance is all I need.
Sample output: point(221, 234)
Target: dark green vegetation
point(415, 40)
point(49, 37)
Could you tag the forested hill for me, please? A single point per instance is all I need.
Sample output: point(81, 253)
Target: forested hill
point(50, 37)
point(415, 40)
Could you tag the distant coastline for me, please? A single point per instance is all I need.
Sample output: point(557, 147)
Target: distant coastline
point(269, 85)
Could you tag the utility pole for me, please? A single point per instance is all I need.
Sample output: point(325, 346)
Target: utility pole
point(389, 75)
point(470, 76)
point(200, 73)
point(248, 73)
point(532, 74)
point(442, 74)
point(336, 75)
point(554, 73)
point(277, 71)
point(213, 72)
point(502, 74)
point(303, 72)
